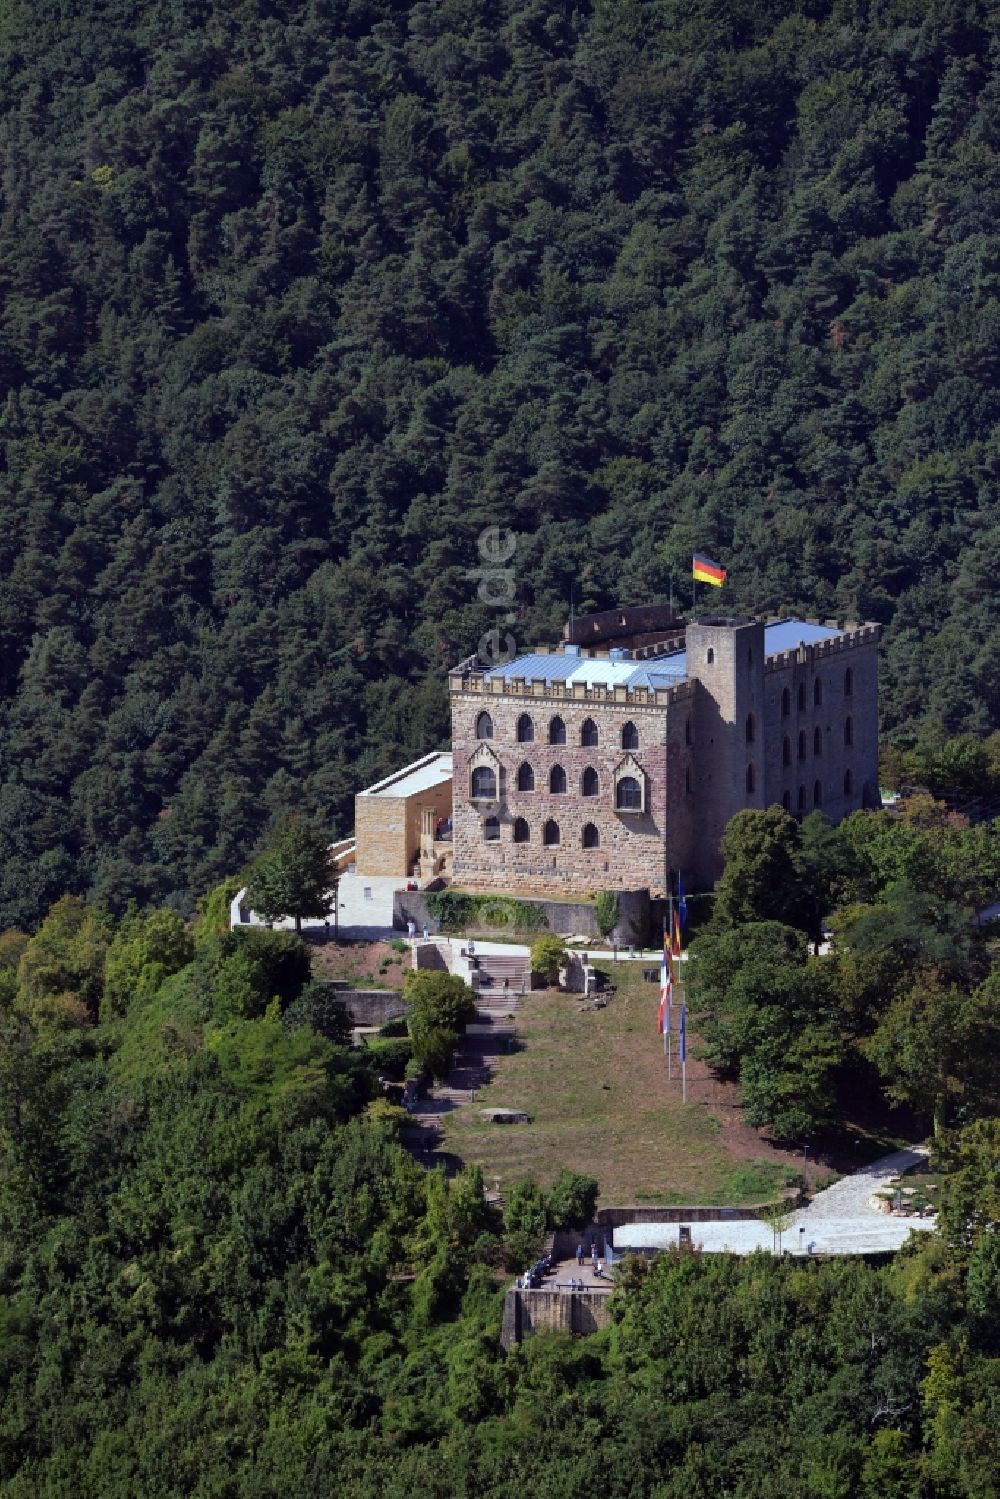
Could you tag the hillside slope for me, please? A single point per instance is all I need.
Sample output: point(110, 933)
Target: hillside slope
point(296, 300)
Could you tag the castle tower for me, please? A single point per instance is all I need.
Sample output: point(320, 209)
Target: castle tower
point(725, 659)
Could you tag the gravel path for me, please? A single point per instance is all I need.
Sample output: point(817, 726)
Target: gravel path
point(848, 1198)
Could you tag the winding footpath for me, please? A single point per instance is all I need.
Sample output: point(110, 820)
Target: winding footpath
point(839, 1220)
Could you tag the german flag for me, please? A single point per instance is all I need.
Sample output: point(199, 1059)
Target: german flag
point(705, 571)
point(675, 941)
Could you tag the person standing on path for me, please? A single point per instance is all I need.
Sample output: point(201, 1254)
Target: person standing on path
point(579, 1256)
point(593, 1254)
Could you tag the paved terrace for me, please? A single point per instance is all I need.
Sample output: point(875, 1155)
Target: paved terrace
point(839, 1220)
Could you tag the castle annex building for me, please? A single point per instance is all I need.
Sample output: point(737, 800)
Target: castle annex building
point(617, 756)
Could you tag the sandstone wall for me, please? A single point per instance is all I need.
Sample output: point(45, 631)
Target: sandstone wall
point(387, 829)
point(577, 1312)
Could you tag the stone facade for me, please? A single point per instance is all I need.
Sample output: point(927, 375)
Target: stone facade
point(537, 815)
point(387, 821)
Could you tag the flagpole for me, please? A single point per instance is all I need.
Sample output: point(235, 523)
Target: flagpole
point(670, 976)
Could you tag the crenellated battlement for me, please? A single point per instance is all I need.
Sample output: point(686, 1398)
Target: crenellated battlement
point(854, 637)
point(478, 684)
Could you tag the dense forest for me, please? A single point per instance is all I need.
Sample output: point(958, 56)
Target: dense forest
point(222, 1276)
point(297, 298)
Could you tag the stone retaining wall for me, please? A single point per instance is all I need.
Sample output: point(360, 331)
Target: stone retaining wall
point(370, 1006)
point(570, 918)
point(576, 1312)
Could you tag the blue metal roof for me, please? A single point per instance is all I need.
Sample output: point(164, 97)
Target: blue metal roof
point(552, 668)
point(791, 633)
point(652, 672)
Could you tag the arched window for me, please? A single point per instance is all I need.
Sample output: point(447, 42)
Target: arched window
point(589, 736)
point(591, 837)
point(525, 777)
point(550, 833)
point(848, 783)
point(848, 730)
point(687, 730)
point(687, 780)
point(802, 744)
point(848, 682)
point(557, 731)
point(484, 726)
point(751, 728)
point(588, 782)
point(484, 784)
point(710, 656)
point(521, 833)
point(630, 737)
point(802, 696)
point(628, 795)
point(491, 830)
point(751, 778)
point(817, 692)
point(525, 729)
point(786, 703)
point(786, 801)
point(802, 798)
point(557, 780)
point(817, 794)
point(817, 740)
point(786, 751)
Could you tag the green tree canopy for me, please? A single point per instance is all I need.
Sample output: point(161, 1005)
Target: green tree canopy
point(293, 875)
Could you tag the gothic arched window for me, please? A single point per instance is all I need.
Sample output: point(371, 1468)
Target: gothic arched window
point(484, 784)
point(628, 795)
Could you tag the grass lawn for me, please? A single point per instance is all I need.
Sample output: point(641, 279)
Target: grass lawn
point(596, 1087)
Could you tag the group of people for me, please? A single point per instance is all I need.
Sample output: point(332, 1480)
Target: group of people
point(411, 930)
point(535, 1274)
point(596, 1262)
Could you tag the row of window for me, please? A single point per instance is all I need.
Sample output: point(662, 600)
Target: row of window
point(551, 834)
point(817, 796)
point(786, 696)
point(786, 743)
point(589, 735)
point(787, 798)
point(628, 793)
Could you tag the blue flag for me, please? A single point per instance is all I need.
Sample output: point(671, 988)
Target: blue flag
point(682, 1040)
point(682, 905)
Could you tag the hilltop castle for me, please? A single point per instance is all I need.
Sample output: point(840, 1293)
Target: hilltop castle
point(622, 753)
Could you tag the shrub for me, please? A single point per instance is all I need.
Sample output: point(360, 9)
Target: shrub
point(523, 1223)
point(572, 1200)
point(439, 999)
point(548, 955)
point(434, 1047)
point(606, 911)
point(319, 1007)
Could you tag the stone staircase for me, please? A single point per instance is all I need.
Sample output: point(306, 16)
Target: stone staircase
point(500, 972)
point(490, 1034)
